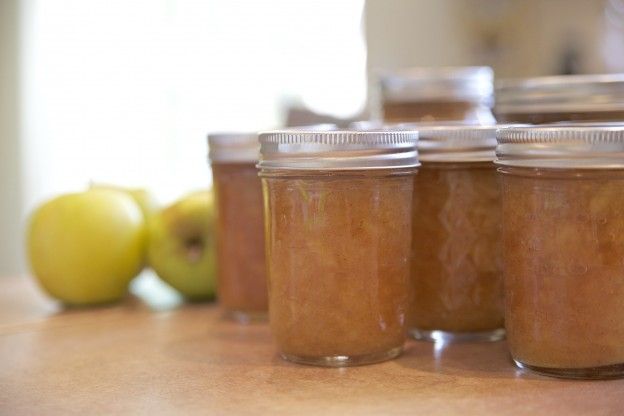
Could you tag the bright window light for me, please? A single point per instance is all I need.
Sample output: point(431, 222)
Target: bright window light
point(124, 92)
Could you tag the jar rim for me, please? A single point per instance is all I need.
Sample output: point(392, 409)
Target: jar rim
point(338, 150)
point(456, 142)
point(561, 93)
point(423, 84)
point(582, 146)
point(244, 146)
point(233, 147)
point(448, 141)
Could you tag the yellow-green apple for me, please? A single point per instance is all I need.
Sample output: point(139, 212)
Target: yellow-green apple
point(142, 197)
point(181, 247)
point(85, 248)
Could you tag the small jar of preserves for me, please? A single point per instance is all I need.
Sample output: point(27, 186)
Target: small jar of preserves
point(553, 99)
point(241, 271)
point(563, 244)
point(438, 94)
point(338, 220)
point(456, 259)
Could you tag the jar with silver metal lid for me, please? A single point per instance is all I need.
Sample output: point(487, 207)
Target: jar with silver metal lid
point(456, 275)
point(561, 98)
point(563, 243)
point(241, 270)
point(437, 94)
point(338, 220)
point(241, 266)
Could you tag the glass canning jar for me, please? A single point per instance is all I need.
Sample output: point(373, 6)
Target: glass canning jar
point(437, 94)
point(456, 259)
point(338, 220)
point(563, 244)
point(242, 290)
point(561, 98)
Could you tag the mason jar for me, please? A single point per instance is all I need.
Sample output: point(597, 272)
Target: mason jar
point(437, 94)
point(241, 270)
point(561, 98)
point(563, 245)
point(456, 256)
point(338, 220)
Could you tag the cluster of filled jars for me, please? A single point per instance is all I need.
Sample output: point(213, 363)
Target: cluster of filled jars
point(436, 223)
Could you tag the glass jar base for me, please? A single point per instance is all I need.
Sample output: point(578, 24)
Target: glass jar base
point(344, 360)
point(450, 336)
point(591, 373)
point(245, 317)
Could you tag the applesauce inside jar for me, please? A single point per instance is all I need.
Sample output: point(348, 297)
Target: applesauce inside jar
point(564, 98)
point(242, 290)
point(456, 264)
point(563, 242)
point(338, 221)
point(437, 94)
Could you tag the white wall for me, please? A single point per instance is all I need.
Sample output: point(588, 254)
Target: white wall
point(11, 262)
point(516, 37)
point(403, 33)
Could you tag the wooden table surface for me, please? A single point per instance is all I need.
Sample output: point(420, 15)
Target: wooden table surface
point(134, 358)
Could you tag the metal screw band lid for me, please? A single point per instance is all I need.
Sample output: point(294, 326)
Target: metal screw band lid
point(338, 150)
point(233, 147)
point(556, 147)
point(474, 84)
point(565, 93)
point(456, 143)
point(245, 147)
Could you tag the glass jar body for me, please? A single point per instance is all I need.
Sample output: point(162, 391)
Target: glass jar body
point(429, 111)
point(456, 260)
point(563, 239)
point(242, 288)
point(338, 250)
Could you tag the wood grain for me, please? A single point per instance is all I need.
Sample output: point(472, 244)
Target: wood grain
point(129, 359)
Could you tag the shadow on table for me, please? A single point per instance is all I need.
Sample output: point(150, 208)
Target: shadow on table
point(129, 303)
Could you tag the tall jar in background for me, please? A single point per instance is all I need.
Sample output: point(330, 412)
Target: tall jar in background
point(437, 94)
point(456, 261)
point(563, 244)
point(598, 98)
point(338, 220)
point(242, 290)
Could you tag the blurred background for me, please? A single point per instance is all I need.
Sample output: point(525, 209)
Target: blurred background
point(124, 91)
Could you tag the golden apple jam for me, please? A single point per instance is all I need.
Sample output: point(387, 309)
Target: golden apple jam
point(456, 257)
point(437, 95)
point(565, 98)
point(429, 111)
point(242, 290)
point(338, 220)
point(563, 243)
point(539, 117)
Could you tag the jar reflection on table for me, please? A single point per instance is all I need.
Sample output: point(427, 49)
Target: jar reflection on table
point(563, 236)
point(338, 244)
point(242, 290)
point(437, 94)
